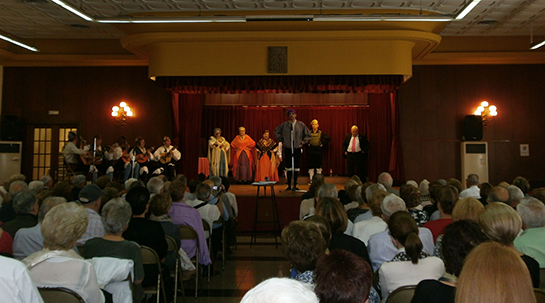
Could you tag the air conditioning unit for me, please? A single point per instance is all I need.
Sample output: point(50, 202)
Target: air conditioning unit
point(475, 160)
point(10, 158)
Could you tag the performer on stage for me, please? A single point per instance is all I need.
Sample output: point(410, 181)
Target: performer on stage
point(243, 156)
point(267, 164)
point(355, 147)
point(293, 135)
point(72, 154)
point(95, 156)
point(218, 154)
point(138, 159)
point(114, 156)
point(317, 140)
point(167, 155)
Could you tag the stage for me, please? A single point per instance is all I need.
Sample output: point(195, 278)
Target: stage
point(288, 202)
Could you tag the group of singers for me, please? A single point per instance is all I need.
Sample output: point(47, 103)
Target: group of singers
point(242, 154)
point(135, 162)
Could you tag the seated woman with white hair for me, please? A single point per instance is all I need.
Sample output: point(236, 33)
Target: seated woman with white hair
point(57, 265)
point(532, 239)
point(281, 290)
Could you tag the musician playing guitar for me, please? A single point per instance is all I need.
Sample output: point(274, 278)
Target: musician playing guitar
point(167, 155)
point(95, 155)
point(71, 154)
point(138, 160)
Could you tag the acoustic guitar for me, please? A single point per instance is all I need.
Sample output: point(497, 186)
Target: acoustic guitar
point(167, 157)
point(140, 158)
point(87, 158)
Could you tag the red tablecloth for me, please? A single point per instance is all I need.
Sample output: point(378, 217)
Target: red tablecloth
point(204, 168)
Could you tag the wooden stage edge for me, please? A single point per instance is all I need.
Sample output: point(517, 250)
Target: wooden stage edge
point(288, 202)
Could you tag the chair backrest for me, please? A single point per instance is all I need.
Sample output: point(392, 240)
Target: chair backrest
point(542, 278)
point(404, 294)
point(540, 295)
point(171, 244)
point(188, 233)
point(59, 294)
point(149, 256)
point(206, 226)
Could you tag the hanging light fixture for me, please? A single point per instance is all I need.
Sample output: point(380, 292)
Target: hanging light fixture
point(486, 111)
point(121, 113)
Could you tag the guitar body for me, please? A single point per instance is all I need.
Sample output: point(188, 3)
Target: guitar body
point(167, 157)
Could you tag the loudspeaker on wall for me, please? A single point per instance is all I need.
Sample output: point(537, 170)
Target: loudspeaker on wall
point(473, 128)
point(11, 128)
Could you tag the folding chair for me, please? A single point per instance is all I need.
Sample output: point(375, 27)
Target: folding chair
point(540, 295)
point(223, 241)
point(59, 294)
point(149, 256)
point(189, 233)
point(208, 229)
point(176, 272)
point(404, 294)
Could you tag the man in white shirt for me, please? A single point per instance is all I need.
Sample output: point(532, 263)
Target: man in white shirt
point(381, 249)
point(472, 190)
point(208, 212)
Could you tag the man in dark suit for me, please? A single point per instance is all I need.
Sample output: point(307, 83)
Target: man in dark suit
point(355, 147)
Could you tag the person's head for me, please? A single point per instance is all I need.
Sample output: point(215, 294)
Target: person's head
point(62, 189)
point(25, 203)
point(539, 193)
point(467, 209)
point(498, 194)
point(390, 205)
point(242, 131)
point(314, 124)
point(459, 239)
point(192, 185)
point(424, 187)
point(89, 196)
point(291, 114)
point(448, 195)
point(102, 181)
point(217, 132)
point(109, 194)
point(484, 189)
point(281, 290)
point(166, 141)
point(410, 195)
point(35, 186)
point(182, 178)
point(203, 192)
point(372, 188)
point(456, 184)
point(225, 183)
point(159, 204)
point(48, 204)
point(532, 212)
point(375, 202)
point(515, 195)
point(350, 187)
point(16, 187)
point(176, 190)
point(522, 183)
point(354, 130)
point(121, 141)
point(155, 185)
point(79, 181)
point(322, 223)
point(357, 179)
point(494, 273)
point(386, 179)
point(303, 244)
point(333, 211)
point(500, 222)
point(115, 216)
point(327, 190)
point(217, 184)
point(266, 134)
point(138, 198)
point(316, 183)
point(343, 277)
point(63, 225)
point(140, 142)
point(472, 179)
point(403, 230)
point(72, 136)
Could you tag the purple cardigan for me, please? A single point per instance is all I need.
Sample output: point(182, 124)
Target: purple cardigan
point(183, 214)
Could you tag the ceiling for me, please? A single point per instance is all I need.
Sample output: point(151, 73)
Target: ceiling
point(492, 26)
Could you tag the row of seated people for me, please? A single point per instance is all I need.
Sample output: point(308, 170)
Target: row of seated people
point(400, 252)
point(41, 237)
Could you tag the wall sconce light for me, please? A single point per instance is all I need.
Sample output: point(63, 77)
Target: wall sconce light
point(121, 113)
point(486, 111)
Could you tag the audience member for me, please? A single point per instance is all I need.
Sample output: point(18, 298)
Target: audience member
point(155, 186)
point(208, 212)
point(62, 189)
point(35, 186)
point(410, 265)
point(387, 180)
point(30, 240)
point(25, 205)
point(192, 186)
point(47, 180)
point(501, 223)
point(498, 194)
point(424, 189)
point(381, 248)
point(7, 213)
point(532, 241)
point(332, 210)
point(17, 286)
point(6, 244)
point(229, 196)
point(362, 211)
point(494, 273)
point(160, 205)
point(363, 230)
point(342, 277)
point(103, 181)
point(448, 196)
point(411, 196)
point(89, 197)
point(78, 182)
point(57, 265)
point(303, 244)
point(485, 189)
point(515, 195)
point(280, 290)
point(459, 239)
point(472, 190)
point(456, 184)
point(523, 184)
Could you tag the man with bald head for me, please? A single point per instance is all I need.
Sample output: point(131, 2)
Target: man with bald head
point(355, 147)
point(498, 194)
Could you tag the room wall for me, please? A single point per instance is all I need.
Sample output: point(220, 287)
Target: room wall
point(433, 105)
